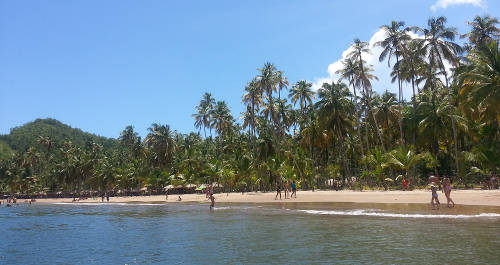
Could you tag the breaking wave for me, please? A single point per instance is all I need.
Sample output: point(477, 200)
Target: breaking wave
point(400, 215)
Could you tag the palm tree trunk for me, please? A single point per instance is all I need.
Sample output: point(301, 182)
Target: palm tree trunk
point(454, 127)
point(376, 124)
point(369, 105)
point(342, 151)
point(358, 123)
point(414, 100)
point(400, 96)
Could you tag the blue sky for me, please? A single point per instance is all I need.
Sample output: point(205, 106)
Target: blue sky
point(103, 65)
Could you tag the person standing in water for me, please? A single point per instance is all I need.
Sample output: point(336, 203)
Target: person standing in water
point(294, 189)
point(212, 201)
point(447, 191)
point(434, 199)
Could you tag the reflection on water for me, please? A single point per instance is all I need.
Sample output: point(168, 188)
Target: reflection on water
point(302, 233)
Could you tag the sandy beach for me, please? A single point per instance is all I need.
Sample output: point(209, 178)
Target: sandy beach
point(461, 197)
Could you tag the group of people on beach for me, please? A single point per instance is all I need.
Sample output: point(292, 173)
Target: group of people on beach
point(12, 200)
point(286, 190)
point(445, 186)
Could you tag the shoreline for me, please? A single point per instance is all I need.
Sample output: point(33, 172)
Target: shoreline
point(460, 197)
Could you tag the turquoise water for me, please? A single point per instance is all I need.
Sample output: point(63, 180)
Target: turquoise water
point(245, 234)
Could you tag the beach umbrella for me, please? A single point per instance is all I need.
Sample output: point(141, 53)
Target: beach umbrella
point(189, 186)
point(144, 189)
point(201, 187)
point(389, 180)
point(179, 186)
point(168, 187)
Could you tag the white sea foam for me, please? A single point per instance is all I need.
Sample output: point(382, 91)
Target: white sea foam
point(222, 208)
point(400, 215)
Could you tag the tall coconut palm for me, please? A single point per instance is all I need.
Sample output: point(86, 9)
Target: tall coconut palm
point(336, 111)
point(206, 106)
point(350, 68)
point(222, 118)
point(267, 82)
point(439, 46)
point(483, 30)
point(386, 111)
point(395, 39)
point(161, 142)
point(408, 70)
point(302, 92)
point(479, 83)
point(128, 137)
point(253, 99)
point(282, 82)
point(363, 78)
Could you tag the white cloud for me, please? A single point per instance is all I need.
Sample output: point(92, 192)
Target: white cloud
point(445, 3)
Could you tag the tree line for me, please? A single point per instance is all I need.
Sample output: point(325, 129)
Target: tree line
point(344, 131)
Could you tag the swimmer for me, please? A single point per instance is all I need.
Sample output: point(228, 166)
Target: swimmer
point(212, 200)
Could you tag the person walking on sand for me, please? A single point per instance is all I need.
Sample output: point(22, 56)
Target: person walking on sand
point(107, 197)
point(294, 189)
point(447, 192)
point(212, 201)
point(493, 182)
point(434, 199)
point(287, 191)
point(278, 191)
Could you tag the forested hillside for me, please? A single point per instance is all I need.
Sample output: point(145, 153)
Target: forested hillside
point(30, 135)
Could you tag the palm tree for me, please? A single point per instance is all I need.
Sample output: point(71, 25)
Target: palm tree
point(395, 39)
point(267, 82)
point(348, 72)
point(203, 116)
point(408, 69)
point(363, 78)
point(301, 92)
point(161, 142)
point(483, 30)
point(479, 83)
point(438, 115)
point(282, 82)
point(336, 111)
point(404, 158)
point(439, 46)
point(253, 99)
point(129, 137)
point(386, 111)
point(222, 118)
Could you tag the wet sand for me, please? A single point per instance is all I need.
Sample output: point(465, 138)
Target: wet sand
point(460, 197)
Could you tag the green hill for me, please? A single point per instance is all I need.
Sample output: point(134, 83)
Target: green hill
point(25, 136)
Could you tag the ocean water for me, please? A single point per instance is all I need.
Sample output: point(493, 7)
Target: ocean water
point(248, 234)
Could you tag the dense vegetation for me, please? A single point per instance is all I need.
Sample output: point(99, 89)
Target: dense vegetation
point(450, 126)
